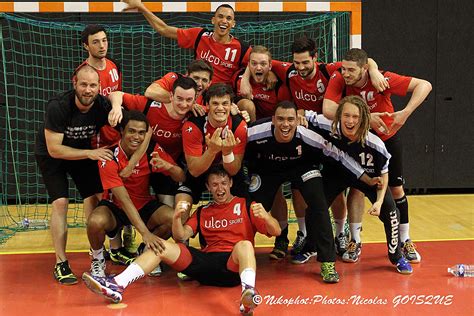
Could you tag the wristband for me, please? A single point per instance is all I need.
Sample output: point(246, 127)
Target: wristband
point(228, 158)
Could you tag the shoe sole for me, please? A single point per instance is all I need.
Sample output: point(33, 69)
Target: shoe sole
point(277, 256)
point(299, 262)
point(69, 283)
point(350, 260)
point(331, 281)
point(405, 272)
point(97, 288)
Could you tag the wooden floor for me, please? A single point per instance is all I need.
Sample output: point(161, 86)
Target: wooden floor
point(432, 217)
point(442, 226)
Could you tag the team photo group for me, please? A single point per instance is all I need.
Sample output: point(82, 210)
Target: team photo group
point(239, 125)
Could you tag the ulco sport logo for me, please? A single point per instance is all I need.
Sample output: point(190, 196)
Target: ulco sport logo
point(221, 223)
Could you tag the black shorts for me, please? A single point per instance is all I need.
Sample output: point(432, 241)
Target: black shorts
point(264, 186)
point(210, 268)
point(163, 184)
point(84, 173)
point(121, 217)
point(395, 168)
point(195, 186)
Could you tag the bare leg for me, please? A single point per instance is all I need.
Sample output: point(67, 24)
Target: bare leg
point(339, 212)
point(299, 206)
point(356, 205)
point(59, 228)
point(100, 221)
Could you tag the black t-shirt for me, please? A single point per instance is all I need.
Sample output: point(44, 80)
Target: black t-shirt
point(63, 116)
point(265, 155)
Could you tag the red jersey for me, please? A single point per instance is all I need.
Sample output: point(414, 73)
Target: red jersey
point(137, 184)
point(377, 101)
point(307, 94)
point(224, 225)
point(265, 100)
point(226, 59)
point(166, 130)
point(195, 129)
point(167, 81)
point(110, 81)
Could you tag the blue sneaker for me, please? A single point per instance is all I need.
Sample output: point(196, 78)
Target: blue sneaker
point(303, 257)
point(403, 266)
point(104, 286)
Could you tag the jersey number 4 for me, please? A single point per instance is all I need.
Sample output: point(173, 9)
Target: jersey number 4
point(237, 209)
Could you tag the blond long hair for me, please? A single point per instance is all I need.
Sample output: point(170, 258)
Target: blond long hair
point(364, 117)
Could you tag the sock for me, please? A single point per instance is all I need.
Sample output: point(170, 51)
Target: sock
point(114, 238)
point(402, 205)
point(247, 277)
point(355, 229)
point(129, 275)
point(340, 223)
point(301, 225)
point(283, 224)
point(404, 231)
point(98, 254)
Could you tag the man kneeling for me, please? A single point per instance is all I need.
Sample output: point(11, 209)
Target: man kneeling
point(226, 228)
point(131, 201)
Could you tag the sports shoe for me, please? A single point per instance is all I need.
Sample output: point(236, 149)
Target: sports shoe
point(280, 250)
point(341, 242)
point(403, 266)
point(128, 237)
point(156, 272)
point(121, 256)
point(298, 244)
point(409, 251)
point(353, 252)
point(106, 287)
point(63, 274)
point(328, 272)
point(303, 257)
point(183, 277)
point(98, 268)
point(248, 300)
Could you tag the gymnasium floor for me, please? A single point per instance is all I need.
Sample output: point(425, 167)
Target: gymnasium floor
point(442, 226)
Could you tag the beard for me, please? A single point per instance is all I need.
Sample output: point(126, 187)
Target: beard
point(306, 72)
point(351, 82)
point(84, 100)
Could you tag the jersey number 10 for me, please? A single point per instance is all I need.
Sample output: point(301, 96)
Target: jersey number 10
point(114, 75)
